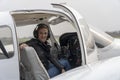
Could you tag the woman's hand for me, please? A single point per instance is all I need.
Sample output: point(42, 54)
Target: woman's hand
point(63, 70)
point(23, 46)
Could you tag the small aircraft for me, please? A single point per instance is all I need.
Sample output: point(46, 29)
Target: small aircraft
point(88, 50)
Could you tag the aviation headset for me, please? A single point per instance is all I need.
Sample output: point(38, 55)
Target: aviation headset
point(40, 26)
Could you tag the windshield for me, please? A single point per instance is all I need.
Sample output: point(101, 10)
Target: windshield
point(102, 39)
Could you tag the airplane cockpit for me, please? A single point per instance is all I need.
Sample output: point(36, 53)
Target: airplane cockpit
point(63, 35)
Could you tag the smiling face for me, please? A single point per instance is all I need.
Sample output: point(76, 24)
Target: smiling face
point(43, 34)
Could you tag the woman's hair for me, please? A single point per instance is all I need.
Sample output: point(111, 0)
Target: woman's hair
point(38, 27)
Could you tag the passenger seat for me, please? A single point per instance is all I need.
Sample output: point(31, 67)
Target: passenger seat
point(32, 67)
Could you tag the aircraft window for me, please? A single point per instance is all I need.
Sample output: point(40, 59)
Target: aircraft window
point(6, 43)
point(23, 35)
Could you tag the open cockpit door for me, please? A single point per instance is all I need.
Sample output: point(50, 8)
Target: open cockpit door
point(9, 62)
point(87, 44)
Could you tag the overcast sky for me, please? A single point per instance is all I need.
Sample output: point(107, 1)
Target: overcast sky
point(104, 14)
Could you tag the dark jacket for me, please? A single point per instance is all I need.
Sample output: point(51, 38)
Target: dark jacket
point(43, 51)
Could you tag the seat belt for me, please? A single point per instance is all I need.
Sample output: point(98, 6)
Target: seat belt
point(55, 49)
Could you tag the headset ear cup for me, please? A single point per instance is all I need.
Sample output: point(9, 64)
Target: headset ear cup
point(48, 34)
point(35, 34)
